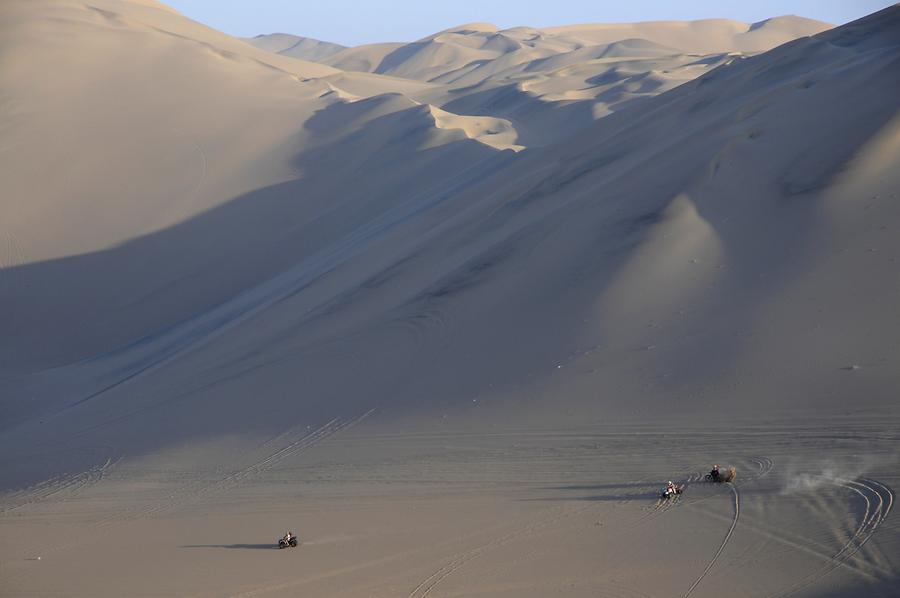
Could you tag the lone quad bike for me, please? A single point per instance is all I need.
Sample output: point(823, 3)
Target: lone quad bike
point(292, 543)
point(724, 476)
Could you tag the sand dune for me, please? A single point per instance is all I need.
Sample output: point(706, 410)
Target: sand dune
point(477, 44)
point(454, 322)
point(541, 72)
point(702, 37)
point(495, 132)
point(295, 46)
point(228, 141)
point(363, 58)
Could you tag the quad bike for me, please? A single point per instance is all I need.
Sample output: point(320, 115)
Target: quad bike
point(728, 475)
point(667, 494)
point(292, 543)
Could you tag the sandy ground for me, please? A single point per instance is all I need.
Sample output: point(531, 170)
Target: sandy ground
point(452, 311)
point(485, 512)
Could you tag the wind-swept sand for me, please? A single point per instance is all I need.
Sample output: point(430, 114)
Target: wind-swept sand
point(295, 46)
point(539, 79)
point(453, 323)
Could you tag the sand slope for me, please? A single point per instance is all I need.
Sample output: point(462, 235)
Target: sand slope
point(305, 48)
point(154, 155)
point(704, 36)
point(549, 83)
point(454, 336)
point(477, 46)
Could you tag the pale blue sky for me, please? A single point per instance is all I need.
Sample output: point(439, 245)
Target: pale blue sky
point(354, 22)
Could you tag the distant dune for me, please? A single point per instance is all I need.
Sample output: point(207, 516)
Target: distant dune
point(485, 70)
point(453, 310)
point(295, 46)
point(705, 36)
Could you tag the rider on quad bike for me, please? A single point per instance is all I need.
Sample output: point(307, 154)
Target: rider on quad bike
point(289, 539)
point(671, 490)
point(728, 475)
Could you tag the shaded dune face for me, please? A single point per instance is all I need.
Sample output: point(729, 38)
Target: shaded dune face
point(292, 185)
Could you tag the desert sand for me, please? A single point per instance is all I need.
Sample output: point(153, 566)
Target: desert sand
point(453, 311)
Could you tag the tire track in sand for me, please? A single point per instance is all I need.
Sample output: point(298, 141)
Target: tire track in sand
point(425, 586)
point(764, 467)
point(402, 556)
point(196, 491)
point(66, 483)
point(306, 442)
point(879, 500)
point(328, 430)
point(712, 562)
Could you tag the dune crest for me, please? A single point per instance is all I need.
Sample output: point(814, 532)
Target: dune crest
point(550, 82)
point(495, 132)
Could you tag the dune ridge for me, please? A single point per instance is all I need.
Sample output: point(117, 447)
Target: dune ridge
point(550, 82)
point(295, 46)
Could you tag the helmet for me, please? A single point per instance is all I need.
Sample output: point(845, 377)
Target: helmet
point(670, 482)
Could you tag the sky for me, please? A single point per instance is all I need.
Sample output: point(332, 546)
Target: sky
point(355, 22)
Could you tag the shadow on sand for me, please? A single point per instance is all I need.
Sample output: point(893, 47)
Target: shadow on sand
point(234, 546)
point(619, 492)
point(650, 495)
